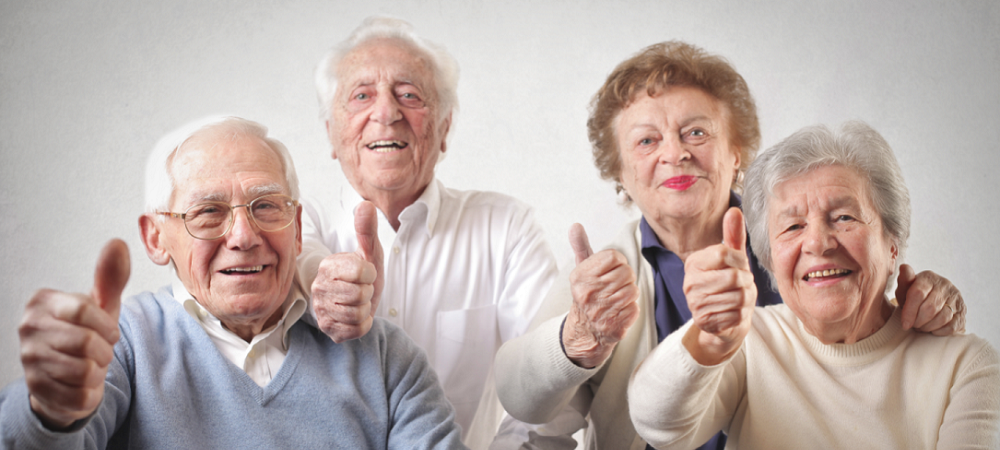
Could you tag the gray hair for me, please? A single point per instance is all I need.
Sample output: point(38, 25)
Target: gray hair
point(159, 178)
point(443, 65)
point(856, 146)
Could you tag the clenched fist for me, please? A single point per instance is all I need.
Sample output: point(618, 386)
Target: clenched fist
point(348, 286)
point(67, 342)
point(721, 294)
point(604, 302)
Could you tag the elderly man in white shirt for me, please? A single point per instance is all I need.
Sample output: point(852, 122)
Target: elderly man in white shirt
point(463, 271)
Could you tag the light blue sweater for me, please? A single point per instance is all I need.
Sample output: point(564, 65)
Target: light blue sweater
point(169, 387)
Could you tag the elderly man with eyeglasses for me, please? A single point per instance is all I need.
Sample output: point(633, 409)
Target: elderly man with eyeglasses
point(224, 357)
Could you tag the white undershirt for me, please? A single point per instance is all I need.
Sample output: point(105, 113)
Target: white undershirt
point(262, 356)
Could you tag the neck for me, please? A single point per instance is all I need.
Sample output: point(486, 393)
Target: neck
point(864, 324)
point(391, 203)
point(688, 236)
point(246, 330)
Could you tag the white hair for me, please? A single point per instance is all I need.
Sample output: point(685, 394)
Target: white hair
point(159, 179)
point(856, 146)
point(443, 65)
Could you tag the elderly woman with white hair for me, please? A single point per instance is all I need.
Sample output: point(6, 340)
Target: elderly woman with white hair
point(829, 216)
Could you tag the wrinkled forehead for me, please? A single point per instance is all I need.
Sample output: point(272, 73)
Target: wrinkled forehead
point(389, 59)
point(212, 166)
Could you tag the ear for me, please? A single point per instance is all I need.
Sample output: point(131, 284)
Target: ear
point(329, 136)
point(445, 128)
point(151, 233)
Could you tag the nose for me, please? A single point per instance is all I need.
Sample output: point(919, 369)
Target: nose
point(244, 234)
point(819, 239)
point(386, 109)
point(673, 151)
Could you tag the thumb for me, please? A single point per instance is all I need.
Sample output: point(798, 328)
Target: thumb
point(366, 229)
point(734, 233)
point(578, 240)
point(369, 247)
point(903, 283)
point(110, 276)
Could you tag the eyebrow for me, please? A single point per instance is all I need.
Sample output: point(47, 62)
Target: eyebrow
point(835, 203)
point(254, 191)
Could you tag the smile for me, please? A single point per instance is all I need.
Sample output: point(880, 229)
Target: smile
point(387, 146)
point(831, 273)
point(253, 269)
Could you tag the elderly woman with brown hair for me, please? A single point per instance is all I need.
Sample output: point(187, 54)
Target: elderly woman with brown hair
point(829, 216)
point(673, 127)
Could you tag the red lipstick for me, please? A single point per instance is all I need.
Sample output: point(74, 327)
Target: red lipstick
point(681, 183)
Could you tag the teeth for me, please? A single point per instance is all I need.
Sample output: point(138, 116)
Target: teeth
point(827, 273)
point(386, 146)
point(253, 269)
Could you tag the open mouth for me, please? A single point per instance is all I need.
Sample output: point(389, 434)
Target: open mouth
point(242, 270)
point(827, 274)
point(387, 146)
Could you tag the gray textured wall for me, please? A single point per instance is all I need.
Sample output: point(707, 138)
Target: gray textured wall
point(86, 88)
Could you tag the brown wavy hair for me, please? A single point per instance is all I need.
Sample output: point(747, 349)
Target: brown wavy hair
point(653, 70)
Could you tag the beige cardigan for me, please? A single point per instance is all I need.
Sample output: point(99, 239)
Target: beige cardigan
point(535, 380)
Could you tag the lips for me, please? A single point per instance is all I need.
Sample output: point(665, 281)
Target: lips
point(242, 270)
point(387, 146)
point(681, 183)
point(827, 274)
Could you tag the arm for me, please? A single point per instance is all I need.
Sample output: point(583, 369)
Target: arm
point(972, 419)
point(67, 347)
point(675, 402)
point(420, 415)
point(529, 269)
point(542, 370)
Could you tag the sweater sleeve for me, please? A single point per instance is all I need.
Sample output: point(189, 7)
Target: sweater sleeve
point(420, 417)
point(972, 418)
point(535, 379)
point(675, 402)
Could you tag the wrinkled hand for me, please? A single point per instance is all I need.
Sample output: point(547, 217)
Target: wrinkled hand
point(721, 294)
point(348, 286)
point(67, 342)
point(604, 307)
point(930, 302)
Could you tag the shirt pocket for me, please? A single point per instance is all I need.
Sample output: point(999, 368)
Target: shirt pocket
point(466, 341)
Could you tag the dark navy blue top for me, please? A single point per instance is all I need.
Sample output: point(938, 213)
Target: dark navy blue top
point(671, 310)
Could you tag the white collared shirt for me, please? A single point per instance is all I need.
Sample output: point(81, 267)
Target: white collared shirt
point(262, 356)
point(466, 271)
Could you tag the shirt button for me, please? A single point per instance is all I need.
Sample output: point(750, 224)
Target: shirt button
point(253, 352)
point(395, 250)
point(393, 312)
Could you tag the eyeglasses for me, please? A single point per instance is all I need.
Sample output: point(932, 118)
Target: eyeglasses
point(212, 220)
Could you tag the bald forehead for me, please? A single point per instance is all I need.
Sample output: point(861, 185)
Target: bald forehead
point(220, 154)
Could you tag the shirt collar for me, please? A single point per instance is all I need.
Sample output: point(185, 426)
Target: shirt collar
point(294, 306)
point(426, 207)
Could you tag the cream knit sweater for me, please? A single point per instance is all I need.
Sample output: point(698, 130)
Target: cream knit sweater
point(784, 389)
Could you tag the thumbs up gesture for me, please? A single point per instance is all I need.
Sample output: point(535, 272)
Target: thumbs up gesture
point(67, 342)
point(348, 286)
point(721, 294)
point(603, 309)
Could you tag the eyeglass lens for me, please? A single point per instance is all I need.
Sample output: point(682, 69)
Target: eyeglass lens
point(213, 219)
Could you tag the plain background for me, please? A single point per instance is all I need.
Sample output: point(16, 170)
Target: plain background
point(87, 87)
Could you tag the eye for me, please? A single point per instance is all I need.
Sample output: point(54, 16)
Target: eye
point(844, 218)
point(794, 227)
point(697, 132)
point(646, 141)
point(361, 96)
